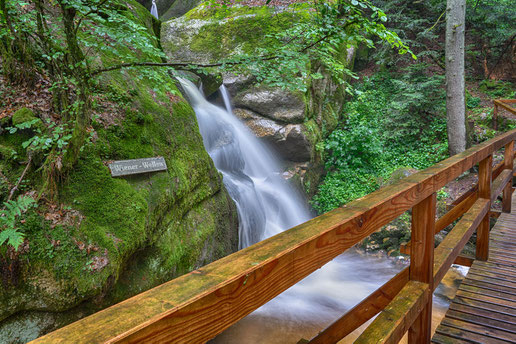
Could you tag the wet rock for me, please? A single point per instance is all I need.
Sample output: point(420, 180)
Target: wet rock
point(207, 35)
point(277, 104)
point(289, 140)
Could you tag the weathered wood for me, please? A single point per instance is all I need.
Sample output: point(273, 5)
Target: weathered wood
point(197, 306)
point(490, 285)
point(488, 292)
point(365, 310)
point(469, 337)
point(464, 260)
point(456, 212)
point(421, 263)
point(479, 329)
point(494, 213)
point(484, 191)
point(501, 103)
point(499, 184)
point(497, 169)
point(448, 218)
point(509, 166)
point(454, 242)
point(486, 321)
point(504, 318)
point(484, 307)
point(495, 115)
point(392, 323)
point(444, 339)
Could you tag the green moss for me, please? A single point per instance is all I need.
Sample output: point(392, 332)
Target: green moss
point(173, 220)
point(238, 28)
point(23, 115)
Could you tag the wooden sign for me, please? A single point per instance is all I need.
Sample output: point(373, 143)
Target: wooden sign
point(137, 166)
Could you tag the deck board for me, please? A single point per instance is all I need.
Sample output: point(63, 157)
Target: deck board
point(484, 307)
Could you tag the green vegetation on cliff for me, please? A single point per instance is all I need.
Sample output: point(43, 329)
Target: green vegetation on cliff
point(97, 239)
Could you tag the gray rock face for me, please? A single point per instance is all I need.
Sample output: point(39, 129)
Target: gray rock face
point(292, 122)
point(289, 140)
point(277, 104)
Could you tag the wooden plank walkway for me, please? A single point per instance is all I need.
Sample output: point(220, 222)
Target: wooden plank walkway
point(484, 308)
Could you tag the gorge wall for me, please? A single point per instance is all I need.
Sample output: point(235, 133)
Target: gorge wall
point(294, 123)
point(105, 239)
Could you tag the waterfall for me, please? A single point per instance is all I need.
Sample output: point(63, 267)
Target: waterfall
point(266, 203)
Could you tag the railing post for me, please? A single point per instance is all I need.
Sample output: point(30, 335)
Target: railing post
point(495, 115)
point(508, 164)
point(422, 263)
point(485, 170)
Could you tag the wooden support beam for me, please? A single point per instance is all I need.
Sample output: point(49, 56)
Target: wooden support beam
point(456, 212)
point(464, 260)
point(391, 324)
point(495, 115)
point(365, 310)
point(502, 103)
point(484, 191)
point(422, 263)
point(494, 213)
point(449, 249)
point(509, 166)
point(500, 183)
point(497, 169)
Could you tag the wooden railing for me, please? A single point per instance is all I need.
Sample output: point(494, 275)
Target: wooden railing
point(504, 104)
point(197, 306)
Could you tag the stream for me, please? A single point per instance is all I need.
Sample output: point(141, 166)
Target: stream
point(268, 205)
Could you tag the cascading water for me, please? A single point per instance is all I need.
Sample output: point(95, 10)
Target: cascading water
point(266, 204)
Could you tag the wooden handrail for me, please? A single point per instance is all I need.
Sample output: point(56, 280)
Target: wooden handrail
point(364, 311)
point(504, 104)
point(197, 306)
point(449, 249)
point(405, 308)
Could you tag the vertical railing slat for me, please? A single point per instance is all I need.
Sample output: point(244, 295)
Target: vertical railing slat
point(508, 164)
point(422, 263)
point(484, 191)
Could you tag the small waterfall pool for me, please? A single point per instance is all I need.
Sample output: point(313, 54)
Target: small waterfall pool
point(268, 205)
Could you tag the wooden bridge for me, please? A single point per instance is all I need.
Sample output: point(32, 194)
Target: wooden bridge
point(197, 306)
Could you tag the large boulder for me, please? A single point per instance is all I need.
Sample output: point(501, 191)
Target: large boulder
point(292, 122)
point(105, 239)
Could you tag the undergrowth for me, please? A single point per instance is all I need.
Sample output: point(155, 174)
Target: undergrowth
point(392, 121)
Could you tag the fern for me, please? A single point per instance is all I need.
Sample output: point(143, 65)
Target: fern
point(12, 211)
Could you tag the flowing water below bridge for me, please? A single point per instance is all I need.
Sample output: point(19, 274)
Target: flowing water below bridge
point(268, 205)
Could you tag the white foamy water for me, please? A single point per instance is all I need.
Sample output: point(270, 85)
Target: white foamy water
point(268, 205)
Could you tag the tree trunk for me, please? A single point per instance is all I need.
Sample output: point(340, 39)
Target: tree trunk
point(455, 88)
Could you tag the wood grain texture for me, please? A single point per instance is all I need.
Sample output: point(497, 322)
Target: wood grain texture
point(484, 191)
point(449, 249)
point(365, 310)
point(484, 307)
point(500, 183)
point(502, 103)
point(509, 165)
point(422, 263)
point(197, 306)
point(464, 260)
point(391, 324)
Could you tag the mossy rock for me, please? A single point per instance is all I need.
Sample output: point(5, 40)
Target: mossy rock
point(23, 115)
point(113, 237)
point(206, 35)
